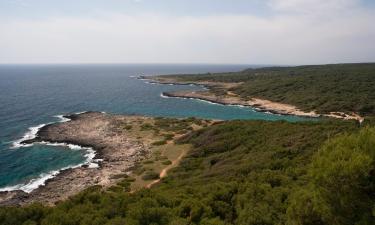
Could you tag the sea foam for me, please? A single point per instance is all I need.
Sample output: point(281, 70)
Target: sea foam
point(39, 181)
point(42, 178)
point(33, 184)
point(191, 98)
point(30, 134)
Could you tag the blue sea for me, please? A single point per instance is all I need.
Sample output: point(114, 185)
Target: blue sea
point(34, 95)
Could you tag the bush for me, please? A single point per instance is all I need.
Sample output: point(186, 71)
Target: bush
point(150, 175)
point(167, 162)
point(341, 184)
point(128, 127)
point(168, 137)
point(158, 143)
point(146, 126)
point(238, 172)
point(148, 162)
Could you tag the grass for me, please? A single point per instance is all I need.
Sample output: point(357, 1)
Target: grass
point(159, 134)
point(161, 157)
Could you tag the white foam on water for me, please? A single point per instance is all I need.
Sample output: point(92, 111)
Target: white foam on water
point(152, 83)
point(30, 134)
point(33, 184)
point(206, 101)
point(42, 178)
point(164, 96)
point(90, 152)
point(62, 118)
point(144, 79)
point(197, 99)
point(209, 102)
point(78, 113)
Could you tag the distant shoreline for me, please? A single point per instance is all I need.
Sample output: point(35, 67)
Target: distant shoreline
point(230, 98)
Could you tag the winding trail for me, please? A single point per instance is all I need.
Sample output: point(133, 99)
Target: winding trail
point(164, 172)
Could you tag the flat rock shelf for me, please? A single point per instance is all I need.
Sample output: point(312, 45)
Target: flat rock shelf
point(116, 153)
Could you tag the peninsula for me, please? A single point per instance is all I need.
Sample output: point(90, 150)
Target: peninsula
point(195, 171)
point(334, 91)
point(121, 144)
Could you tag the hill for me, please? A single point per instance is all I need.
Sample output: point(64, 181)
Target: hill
point(325, 88)
point(240, 172)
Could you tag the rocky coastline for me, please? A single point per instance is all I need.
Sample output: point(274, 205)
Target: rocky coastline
point(116, 153)
point(256, 104)
point(230, 98)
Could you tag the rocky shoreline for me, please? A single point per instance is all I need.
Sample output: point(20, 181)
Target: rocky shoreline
point(116, 151)
point(230, 98)
point(255, 103)
point(260, 105)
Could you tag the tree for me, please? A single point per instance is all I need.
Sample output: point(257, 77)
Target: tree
point(342, 183)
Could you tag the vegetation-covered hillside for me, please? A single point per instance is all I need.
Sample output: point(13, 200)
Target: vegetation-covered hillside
point(325, 88)
point(241, 172)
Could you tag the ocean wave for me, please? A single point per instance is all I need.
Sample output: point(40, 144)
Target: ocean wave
point(144, 79)
point(62, 118)
point(197, 99)
point(164, 96)
point(78, 113)
point(152, 83)
point(30, 134)
point(39, 181)
point(90, 153)
point(33, 184)
point(209, 102)
point(33, 131)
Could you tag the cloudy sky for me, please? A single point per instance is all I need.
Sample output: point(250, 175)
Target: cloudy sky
point(187, 31)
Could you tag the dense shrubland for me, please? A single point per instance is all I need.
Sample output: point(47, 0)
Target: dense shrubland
point(325, 88)
point(240, 172)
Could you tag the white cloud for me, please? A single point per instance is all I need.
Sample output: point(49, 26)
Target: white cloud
point(313, 6)
point(281, 39)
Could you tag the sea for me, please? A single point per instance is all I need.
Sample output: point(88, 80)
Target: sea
point(32, 96)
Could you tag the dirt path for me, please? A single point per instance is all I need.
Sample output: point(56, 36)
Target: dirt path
point(164, 172)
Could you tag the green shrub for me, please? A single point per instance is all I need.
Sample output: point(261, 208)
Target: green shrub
point(168, 137)
point(128, 127)
point(150, 175)
point(148, 162)
point(158, 143)
point(146, 126)
point(238, 172)
point(341, 183)
point(167, 162)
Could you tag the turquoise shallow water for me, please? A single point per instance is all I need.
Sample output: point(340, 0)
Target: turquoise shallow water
point(31, 95)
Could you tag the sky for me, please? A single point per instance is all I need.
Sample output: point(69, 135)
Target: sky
point(283, 32)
